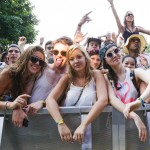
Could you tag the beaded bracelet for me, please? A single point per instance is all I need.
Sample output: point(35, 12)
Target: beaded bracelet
point(142, 102)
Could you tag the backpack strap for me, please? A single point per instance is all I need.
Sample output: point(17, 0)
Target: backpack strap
point(132, 76)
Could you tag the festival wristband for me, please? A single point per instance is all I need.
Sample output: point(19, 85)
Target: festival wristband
point(59, 122)
point(142, 102)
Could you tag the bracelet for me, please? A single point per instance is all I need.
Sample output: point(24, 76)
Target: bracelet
point(142, 101)
point(59, 122)
point(6, 105)
point(43, 102)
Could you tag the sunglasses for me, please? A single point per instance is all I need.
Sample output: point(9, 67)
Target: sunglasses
point(35, 59)
point(63, 53)
point(129, 15)
point(16, 51)
point(135, 39)
point(49, 48)
point(110, 54)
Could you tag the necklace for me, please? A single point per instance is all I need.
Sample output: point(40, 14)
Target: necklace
point(79, 96)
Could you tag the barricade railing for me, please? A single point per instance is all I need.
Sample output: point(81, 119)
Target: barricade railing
point(110, 131)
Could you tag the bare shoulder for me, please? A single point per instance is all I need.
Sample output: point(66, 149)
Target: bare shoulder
point(97, 73)
point(138, 71)
point(5, 72)
point(64, 78)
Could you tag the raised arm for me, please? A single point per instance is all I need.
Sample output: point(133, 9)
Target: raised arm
point(102, 100)
point(53, 108)
point(83, 20)
point(120, 26)
point(141, 29)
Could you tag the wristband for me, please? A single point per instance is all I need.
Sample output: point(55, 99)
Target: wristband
point(6, 105)
point(59, 122)
point(43, 102)
point(142, 102)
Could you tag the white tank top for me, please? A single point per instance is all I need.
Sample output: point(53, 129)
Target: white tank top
point(88, 96)
point(44, 85)
point(127, 93)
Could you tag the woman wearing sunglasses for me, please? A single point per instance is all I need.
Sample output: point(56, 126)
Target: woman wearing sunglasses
point(82, 87)
point(129, 27)
point(17, 80)
point(121, 88)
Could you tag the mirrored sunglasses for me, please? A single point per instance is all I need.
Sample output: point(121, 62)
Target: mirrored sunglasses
point(110, 54)
point(63, 53)
point(35, 59)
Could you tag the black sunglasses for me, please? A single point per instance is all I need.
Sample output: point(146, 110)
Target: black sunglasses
point(110, 54)
point(63, 53)
point(129, 15)
point(35, 59)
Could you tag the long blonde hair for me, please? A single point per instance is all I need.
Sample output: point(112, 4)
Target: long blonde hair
point(88, 70)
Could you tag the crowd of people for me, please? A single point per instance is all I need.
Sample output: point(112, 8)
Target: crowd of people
point(66, 72)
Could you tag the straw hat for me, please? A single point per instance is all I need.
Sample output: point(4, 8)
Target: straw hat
point(142, 41)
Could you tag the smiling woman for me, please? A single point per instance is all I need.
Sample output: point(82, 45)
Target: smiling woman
point(83, 87)
point(18, 78)
point(121, 89)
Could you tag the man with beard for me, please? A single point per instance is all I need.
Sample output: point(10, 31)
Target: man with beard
point(135, 45)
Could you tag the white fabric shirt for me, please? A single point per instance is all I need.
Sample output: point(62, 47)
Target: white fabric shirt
point(127, 93)
point(88, 97)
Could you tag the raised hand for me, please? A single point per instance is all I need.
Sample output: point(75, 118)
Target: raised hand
point(85, 19)
point(79, 36)
point(22, 41)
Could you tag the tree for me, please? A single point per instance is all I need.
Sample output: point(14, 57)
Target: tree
point(16, 19)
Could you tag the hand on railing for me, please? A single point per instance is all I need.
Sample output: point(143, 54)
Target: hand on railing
point(33, 108)
point(141, 128)
point(79, 134)
point(65, 133)
point(18, 116)
point(131, 107)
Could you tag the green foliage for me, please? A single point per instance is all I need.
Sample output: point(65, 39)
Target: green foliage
point(16, 19)
point(147, 49)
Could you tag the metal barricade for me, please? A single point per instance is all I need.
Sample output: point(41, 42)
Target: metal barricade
point(110, 131)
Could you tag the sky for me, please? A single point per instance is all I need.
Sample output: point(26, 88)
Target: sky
point(60, 17)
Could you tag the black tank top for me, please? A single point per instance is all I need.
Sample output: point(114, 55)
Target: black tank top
point(127, 34)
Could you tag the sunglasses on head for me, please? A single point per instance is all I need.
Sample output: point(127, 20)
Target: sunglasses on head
point(35, 59)
point(63, 53)
point(110, 54)
point(129, 15)
point(11, 51)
